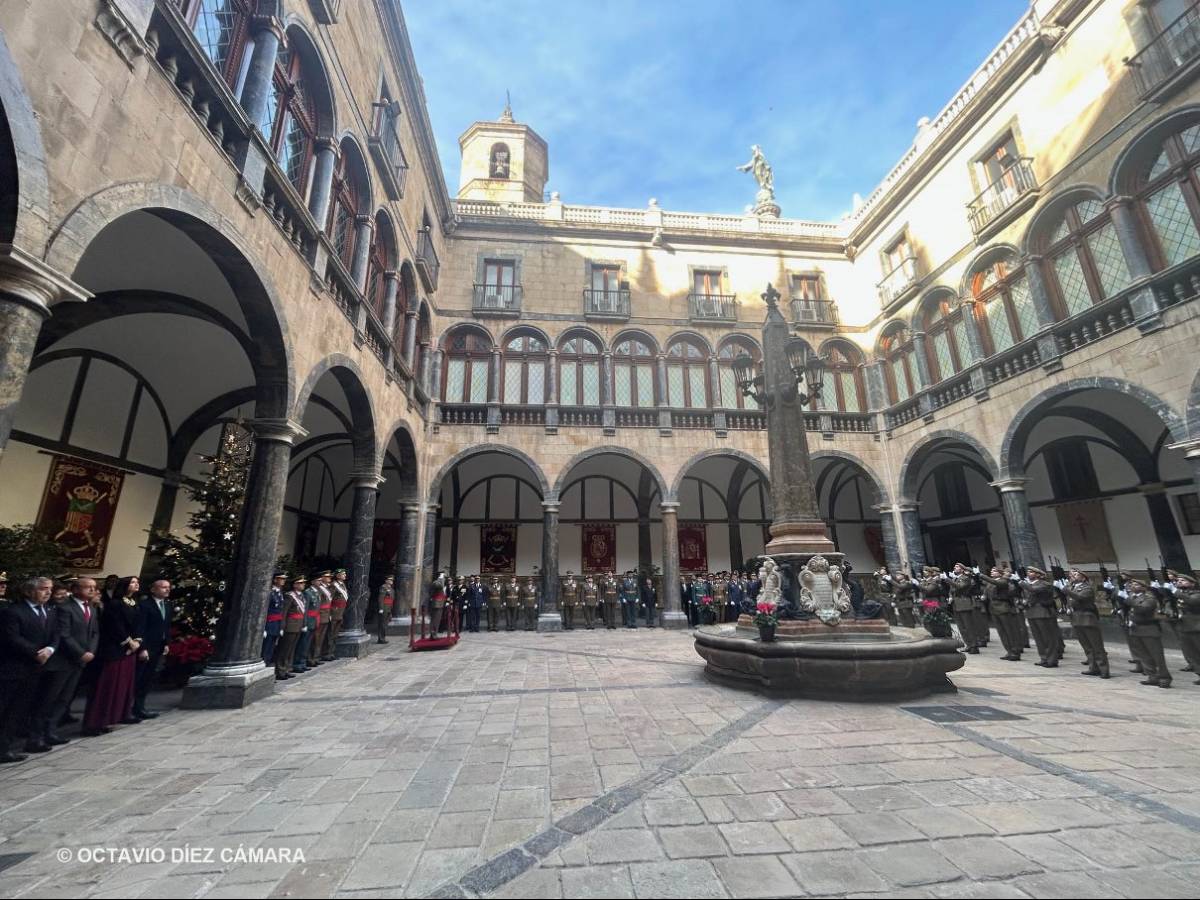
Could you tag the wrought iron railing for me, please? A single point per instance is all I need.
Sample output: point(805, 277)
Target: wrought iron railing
point(814, 312)
point(712, 307)
point(1017, 181)
point(899, 281)
point(384, 143)
point(611, 303)
point(1175, 48)
point(427, 260)
point(497, 299)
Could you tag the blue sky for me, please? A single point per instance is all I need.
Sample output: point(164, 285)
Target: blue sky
point(663, 99)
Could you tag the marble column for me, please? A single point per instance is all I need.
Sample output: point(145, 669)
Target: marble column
point(423, 374)
point(552, 379)
point(921, 358)
point(406, 564)
point(428, 553)
point(1038, 292)
point(1124, 219)
point(354, 641)
point(548, 619)
point(672, 615)
point(364, 228)
point(391, 280)
point(971, 324)
point(1021, 530)
point(892, 556)
point(410, 338)
point(716, 401)
point(322, 181)
point(1166, 531)
point(235, 675)
point(910, 529)
point(257, 88)
point(27, 288)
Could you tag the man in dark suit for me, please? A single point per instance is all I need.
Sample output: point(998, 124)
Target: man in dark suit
point(26, 643)
point(77, 629)
point(154, 628)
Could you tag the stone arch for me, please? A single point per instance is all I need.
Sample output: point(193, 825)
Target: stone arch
point(348, 143)
point(987, 255)
point(579, 331)
point(472, 327)
point(730, 453)
point(525, 331)
point(25, 216)
point(1047, 212)
point(929, 443)
point(322, 90)
point(853, 352)
point(218, 236)
point(881, 491)
point(362, 407)
point(935, 294)
point(1141, 150)
point(889, 328)
point(435, 485)
point(692, 336)
point(637, 334)
point(1012, 447)
point(611, 450)
point(410, 488)
point(736, 337)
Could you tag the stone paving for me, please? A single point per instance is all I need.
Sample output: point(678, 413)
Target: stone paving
point(603, 765)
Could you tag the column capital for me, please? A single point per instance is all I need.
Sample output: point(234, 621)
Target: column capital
point(282, 431)
point(1117, 200)
point(904, 506)
point(884, 509)
point(550, 506)
point(391, 275)
point(1190, 448)
point(363, 220)
point(370, 480)
point(409, 508)
point(326, 143)
point(1010, 485)
point(34, 283)
point(411, 313)
point(260, 24)
point(669, 507)
point(1032, 258)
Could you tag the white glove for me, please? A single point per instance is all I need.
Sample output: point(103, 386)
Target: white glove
point(944, 577)
point(1155, 584)
point(1124, 595)
point(976, 570)
point(1108, 585)
point(1172, 588)
point(1014, 577)
point(885, 577)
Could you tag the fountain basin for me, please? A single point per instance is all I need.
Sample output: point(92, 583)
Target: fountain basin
point(855, 661)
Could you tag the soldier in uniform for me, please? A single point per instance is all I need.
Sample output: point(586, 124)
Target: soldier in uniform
point(273, 627)
point(529, 603)
point(4, 599)
point(629, 600)
point(340, 594)
point(458, 599)
point(286, 661)
point(720, 589)
point(1042, 614)
point(649, 600)
point(591, 596)
point(316, 596)
point(887, 596)
point(312, 621)
point(512, 602)
point(570, 599)
point(611, 591)
point(737, 593)
point(1187, 596)
point(1145, 632)
point(475, 601)
point(1080, 598)
point(686, 596)
point(495, 600)
point(902, 592)
point(437, 602)
point(1001, 590)
point(385, 601)
point(962, 599)
point(933, 586)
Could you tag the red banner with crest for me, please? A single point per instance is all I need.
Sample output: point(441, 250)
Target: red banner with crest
point(497, 549)
point(693, 547)
point(78, 509)
point(599, 548)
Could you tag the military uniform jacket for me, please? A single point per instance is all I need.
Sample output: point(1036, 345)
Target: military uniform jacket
point(737, 593)
point(999, 593)
point(629, 590)
point(293, 612)
point(903, 593)
point(386, 600)
point(720, 592)
point(934, 590)
point(1189, 605)
point(529, 596)
point(610, 591)
point(512, 595)
point(325, 606)
point(495, 596)
point(475, 596)
point(461, 594)
point(340, 599)
point(1144, 609)
point(274, 625)
point(312, 606)
point(591, 593)
point(648, 594)
point(1039, 599)
point(1081, 597)
point(962, 592)
point(570, 593)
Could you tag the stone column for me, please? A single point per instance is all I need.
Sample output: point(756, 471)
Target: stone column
point(410, 338)
point(354, 641)
point(27, 288)
point(971, 324)
point(876, 386)
point(235, 675)
point(664, 399)
point(892, 556)
point(910, 528)
point(1021, 530)
point(921, 358)
point(406, 565)
point(423, 375)
point(391, 280)
point(1166, 530)
point(428, 553)
point(322, 181)
point(363, 230)
point(552, 379)
point(716, 401)
point(672, 615)
point(1038, 292)
point(1120, 209)
point(548, 618)
point(257, 88)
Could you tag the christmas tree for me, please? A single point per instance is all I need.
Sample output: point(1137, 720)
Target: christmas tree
point(199, 564)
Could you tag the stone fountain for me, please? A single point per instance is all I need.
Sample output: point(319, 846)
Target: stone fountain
point(822, 649)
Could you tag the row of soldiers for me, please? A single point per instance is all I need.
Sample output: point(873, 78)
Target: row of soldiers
point(1030, 602)
point(717, 597)
point(304, 619)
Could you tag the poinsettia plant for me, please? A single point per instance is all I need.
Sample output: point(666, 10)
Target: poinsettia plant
point(935, 619)
point(192, 648)
point(766, 615)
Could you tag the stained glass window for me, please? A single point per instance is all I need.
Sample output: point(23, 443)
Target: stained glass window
point(1173, 223)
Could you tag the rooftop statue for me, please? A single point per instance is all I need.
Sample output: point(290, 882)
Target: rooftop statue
point(764, 200)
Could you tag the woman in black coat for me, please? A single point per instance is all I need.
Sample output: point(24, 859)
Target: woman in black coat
point(111, 703)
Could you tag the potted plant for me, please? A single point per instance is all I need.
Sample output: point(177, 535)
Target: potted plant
point(708, 611)
point(766, 619)
point(186, 656)
point(935, 619)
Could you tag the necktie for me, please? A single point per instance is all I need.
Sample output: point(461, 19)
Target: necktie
point(87, 613)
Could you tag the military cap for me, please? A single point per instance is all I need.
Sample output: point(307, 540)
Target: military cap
point(297, 578)
point(321, 573)
point(1182, 576)
point(338, 572)
point(279, 575)
point(1034, 570)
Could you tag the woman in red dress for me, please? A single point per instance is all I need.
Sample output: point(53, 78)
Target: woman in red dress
point(111, 702)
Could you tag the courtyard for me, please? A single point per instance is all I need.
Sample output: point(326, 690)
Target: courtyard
point(599, 765)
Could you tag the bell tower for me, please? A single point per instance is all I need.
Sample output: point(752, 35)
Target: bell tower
point(503, 161)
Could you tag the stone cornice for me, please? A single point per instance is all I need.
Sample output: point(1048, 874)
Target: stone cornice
point(34, 282)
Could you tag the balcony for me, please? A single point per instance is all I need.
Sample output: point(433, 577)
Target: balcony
point(610, 305)
point(1003, 199)
point(384, 143)
point(501, 300)
point(427, 260)
point(899, 282)
point(814, 313)
point(712, 307)
point(1164, 64)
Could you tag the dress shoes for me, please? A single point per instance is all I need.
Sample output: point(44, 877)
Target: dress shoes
point(37, 747)
point(55, 740)
point(132, 720)
point(96, 732)
point(145, 714)
point(12, 757)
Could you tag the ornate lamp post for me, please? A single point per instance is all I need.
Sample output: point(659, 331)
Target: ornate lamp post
point(797, 530)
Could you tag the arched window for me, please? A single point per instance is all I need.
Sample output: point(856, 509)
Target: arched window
point(1170, 199)
point(900, 366)
point(687, 374)
point(468, 361)
point(842, 389)
point(633, 373)
point(730, 395)
point(579, 372)
point(382, 259)
point(346, 200)
point(1084, 258)
point(525, 369)
point(222, 30)
point(1004, 305)
point(947, 343)
point(499, 161)
point(291, 121)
